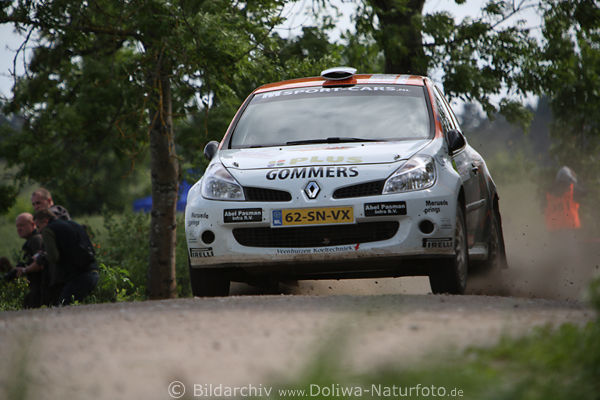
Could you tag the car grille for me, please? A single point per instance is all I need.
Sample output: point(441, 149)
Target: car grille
point(260, 194)
point(362, 189)
point(316, 236)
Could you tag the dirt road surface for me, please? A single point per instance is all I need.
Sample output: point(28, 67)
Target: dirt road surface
point(134, 350)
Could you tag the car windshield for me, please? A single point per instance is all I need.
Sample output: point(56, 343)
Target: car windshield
point(333, 115)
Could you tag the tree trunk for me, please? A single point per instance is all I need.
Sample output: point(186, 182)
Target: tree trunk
point(400, 35)
point(164, 168)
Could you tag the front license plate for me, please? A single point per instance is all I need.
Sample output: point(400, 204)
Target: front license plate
point(313, 216)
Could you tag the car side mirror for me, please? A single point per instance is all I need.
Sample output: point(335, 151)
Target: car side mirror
point(456, 141)
point(211, 149)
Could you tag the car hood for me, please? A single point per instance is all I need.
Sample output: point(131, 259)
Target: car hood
point(321, 154)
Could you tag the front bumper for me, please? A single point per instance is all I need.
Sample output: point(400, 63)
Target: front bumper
point(373, 245)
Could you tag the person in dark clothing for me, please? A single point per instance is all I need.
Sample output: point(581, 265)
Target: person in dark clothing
point(41, 199)
point(26, 229)
point(71, 271)
point(33, 244)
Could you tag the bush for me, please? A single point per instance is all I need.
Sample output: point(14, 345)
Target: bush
point(125, 246)
point(114, 285)
point(12, 294)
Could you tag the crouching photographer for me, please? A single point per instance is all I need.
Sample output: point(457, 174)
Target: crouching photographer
point(71, 272)
point(26, 229)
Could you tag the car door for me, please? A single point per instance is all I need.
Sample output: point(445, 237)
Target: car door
point(469, 165)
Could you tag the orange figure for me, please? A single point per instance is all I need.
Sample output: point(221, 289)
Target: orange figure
point(562, 211)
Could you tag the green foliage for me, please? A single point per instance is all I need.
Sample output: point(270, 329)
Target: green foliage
point(570, 71)
point(124, 251)
point(12, 294)
point(8, 196)
point(114, 285)
point(480, 59)
point(557, 364)
point(515, 113)
point(483, 58)
point(78, 109)
point(11, 243)
point(126, 245)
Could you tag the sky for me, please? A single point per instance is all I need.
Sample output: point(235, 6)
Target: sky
point(10, 42)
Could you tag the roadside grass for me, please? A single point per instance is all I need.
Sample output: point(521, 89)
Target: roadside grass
point(551, 363)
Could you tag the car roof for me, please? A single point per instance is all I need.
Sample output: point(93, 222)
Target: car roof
point(359, 79)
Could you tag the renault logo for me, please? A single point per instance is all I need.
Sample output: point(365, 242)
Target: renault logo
point(312, 190)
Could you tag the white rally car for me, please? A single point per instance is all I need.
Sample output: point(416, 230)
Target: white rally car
point(342, 176)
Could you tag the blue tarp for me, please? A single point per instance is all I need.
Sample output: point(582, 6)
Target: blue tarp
point(145, 203)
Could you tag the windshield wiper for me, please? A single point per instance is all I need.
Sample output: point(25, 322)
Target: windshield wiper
point(331, 140)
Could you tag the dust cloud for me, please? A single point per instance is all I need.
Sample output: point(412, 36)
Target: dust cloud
point(542, 264)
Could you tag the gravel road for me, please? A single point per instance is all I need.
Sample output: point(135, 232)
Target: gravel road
point(134, 350)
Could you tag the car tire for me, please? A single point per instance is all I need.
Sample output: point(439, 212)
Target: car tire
point(451, 276)
point(209, 282)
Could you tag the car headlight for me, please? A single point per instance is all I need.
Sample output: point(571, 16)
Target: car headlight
point(416, 174)
point(218, 184)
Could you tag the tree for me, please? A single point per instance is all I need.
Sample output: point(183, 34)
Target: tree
point(569, 70)
point(400, 34)
point(279, 58)
point(480, 58)
point(158, 55)
point(83, 122)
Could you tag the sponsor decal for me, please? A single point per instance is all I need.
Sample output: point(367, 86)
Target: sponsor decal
point(434, 206)
point(318, 250)
point(242, 215)
point(388, 208)
point(199, 215)
point(312, 172)
point(201, 252)
point(438, 243)
point(292, 92)
point(316, 159)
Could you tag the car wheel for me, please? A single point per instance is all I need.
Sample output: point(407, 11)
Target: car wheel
point(452, 275)
point(209, 282)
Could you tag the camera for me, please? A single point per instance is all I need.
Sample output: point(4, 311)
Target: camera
point(40, 258)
